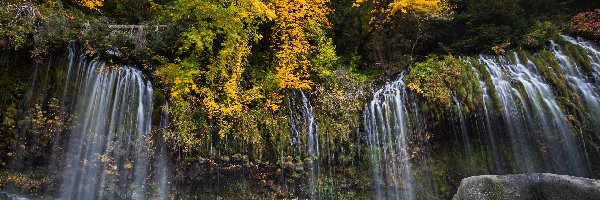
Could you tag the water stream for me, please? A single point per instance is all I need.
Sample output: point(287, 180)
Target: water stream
point(109, 149)
point(538, 135)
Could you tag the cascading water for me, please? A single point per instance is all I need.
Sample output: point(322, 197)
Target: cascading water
point(539, 137)
point(586, 86)
point(387, 129)
point(513, 112)
point(530, 106)
point(312, 142)
point(109, 152)
point(306, 124)
point(486, 104)
point(162, 162)
point(463, 131)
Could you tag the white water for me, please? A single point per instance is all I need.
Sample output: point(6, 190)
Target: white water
point(535, 112)
point(538, 135)
point(587, 87)
point(162, 162)
point(386, 127)
point(305, 138)
point(109, 152)
point(312, 142)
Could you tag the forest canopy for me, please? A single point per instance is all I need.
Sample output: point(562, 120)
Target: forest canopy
point(229, 67)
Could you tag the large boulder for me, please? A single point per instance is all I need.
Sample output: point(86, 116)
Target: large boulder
point(528, 186)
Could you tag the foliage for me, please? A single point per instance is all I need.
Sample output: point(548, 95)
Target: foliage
point(214, 52)
point(541, 33)
point(488, 23)
point(213, 88)
point(438, 79)
point(133, 11)
point(340, 98)
point(91, 4)
point(24, 182)
point(587, 24)
point(383, 10)
point(16, 22)
point(479, 26)
point(45, 126)
point(329, 188)
point(299, 22)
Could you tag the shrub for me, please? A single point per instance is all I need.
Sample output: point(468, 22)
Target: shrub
point(587, 24)
point(437, 79)
point(540, 34)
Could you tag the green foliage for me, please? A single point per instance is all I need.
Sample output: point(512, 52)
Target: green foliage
point(132, 11)
point(541, 33)
point(438, 78)
point(488, 23)
point(214, 53)
point(479, 26)
point(16, 29)
point(329, 188)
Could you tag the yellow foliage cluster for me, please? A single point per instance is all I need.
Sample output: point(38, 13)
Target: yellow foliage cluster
point(382, 10)
point(208, 85)
point(431, 7)
point(91, 4)
point(216, 55)
point(296, 24)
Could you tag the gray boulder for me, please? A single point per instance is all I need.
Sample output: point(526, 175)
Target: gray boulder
point(528, 187)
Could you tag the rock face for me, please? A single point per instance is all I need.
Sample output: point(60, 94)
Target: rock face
point(528, 187)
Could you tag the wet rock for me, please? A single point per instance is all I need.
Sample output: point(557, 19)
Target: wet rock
point(528, 187)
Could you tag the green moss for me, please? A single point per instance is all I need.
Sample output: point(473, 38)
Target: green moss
point(437, 78)
point(567, 97)
point(512, 57)
point(487, 78)
point(473, 99)
point(540, 34)
point(521, 89)
point(331, 188)
point(522, 56)
point(577, 54)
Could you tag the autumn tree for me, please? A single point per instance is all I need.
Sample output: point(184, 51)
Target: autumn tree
point(298, 36)
point(387, 20)
point(214, 52)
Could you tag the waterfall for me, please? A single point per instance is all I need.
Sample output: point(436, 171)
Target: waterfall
point(463, 131)
point(312, 142)
point(527, 129)
point(109, 148)
point(387, 132)
point(492, 145)
point(162, 162)
point(511, 102)
point(304, 124)
point(586, 86)
point(530, 106)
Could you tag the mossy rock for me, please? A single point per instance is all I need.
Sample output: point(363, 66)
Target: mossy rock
point(527, 187)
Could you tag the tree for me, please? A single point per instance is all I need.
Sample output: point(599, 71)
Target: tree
point(298, 25)
point(214, 52)
point(382, 11)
